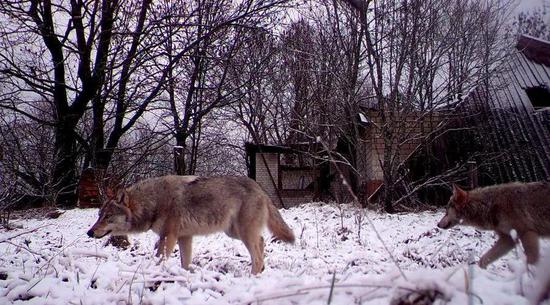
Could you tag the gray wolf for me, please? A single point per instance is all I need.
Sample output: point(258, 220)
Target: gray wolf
point(523, 207)
point(179, 207)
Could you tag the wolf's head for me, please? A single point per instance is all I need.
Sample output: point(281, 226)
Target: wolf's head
point(114, 217)
point(456, 205)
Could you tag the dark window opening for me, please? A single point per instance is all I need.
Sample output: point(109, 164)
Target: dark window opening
point(539, 96)
point(297, 172)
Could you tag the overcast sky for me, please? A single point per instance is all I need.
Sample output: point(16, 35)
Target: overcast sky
point(525, 5)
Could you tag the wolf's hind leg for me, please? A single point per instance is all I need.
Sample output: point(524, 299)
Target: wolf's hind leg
point(170, 244)
point(504, 244)
point(262, 245)
point(233, 232)
point(530, 243)
point(185, 244)
point(254, 244)
point(160, 246)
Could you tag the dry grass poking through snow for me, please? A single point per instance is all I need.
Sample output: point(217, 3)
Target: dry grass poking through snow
point(336, 260)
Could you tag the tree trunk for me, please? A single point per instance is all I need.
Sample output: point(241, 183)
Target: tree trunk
point(64, 172)
point(387, 169)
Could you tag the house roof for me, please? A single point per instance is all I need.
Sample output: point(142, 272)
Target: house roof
point(252, 148)
point(535, 49)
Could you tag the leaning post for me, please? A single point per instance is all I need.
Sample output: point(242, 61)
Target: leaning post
point(472, 174)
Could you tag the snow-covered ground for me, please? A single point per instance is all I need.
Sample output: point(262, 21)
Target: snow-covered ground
point(337, 259)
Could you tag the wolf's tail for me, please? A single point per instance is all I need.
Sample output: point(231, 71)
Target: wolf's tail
point(277, 226)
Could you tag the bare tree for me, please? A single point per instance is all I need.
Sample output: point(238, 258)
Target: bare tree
point(257, 74)
point(534, 22)
point(421, 55)
point(199, 83)
point(306, 81)
point(26, 161)
point(58, 52)
point(323, 54)
point(102, 65)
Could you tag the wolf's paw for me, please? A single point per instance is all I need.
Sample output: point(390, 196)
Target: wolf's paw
point(483, 263)
point(190, 269)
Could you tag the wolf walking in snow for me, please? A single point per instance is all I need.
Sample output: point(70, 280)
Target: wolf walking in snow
point(523, 207)
point(178, 207)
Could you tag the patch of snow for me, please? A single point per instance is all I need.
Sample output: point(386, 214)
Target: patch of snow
point(58, 264)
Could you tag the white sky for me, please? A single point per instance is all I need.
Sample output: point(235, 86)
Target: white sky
point(526, 5)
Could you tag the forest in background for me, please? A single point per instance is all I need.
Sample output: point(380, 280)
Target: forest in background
point(117, 84)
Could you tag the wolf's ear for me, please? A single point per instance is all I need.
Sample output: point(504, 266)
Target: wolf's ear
point(123, 198)
point(460, 196)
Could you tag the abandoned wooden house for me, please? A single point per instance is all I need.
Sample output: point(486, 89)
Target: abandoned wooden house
point(516, 106)
point(502, 127)
point(302, 172)
point(289, 174)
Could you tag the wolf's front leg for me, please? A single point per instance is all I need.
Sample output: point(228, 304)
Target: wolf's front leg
point(185, 244)
point(530, 243)
point(165, 246)
point(504, 244)
point(159, 245)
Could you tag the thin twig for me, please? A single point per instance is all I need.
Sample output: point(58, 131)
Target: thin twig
point(332, 282)
point(25, 248)
point(356, 200)
point(23, 233)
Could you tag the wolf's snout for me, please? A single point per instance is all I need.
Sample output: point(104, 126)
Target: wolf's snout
point(443, 224)
point(90, 233)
